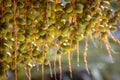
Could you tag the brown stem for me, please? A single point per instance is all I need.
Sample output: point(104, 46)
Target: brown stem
point(85, 56)
point(15, 43)
point(78, 54)
point(43, 53)
point(51, 74)
point(29, 70)
point(43, 69)
point(1, 12)
point(46, 12)
point(114, 38)
point(73, 3)
point(117, 1)
point(29, 73)
point(108, 49)
point(55, 64)
point(56, 1)
point(69, 64)
point(69, 53)
point(60, 66)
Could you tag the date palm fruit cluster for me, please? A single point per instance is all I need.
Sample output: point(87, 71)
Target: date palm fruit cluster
point(30, 28)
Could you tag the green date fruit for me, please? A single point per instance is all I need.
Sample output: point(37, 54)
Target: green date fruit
point(8, 16)
point(79, 8)
point(114, 29)
point(68, 8)
point(21, 37)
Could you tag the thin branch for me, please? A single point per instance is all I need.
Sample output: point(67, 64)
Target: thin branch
point(60, 66)
point(29, 73)
point(85, 56)
point(108, 49)
point(15, 42)
point(51, 74)
point(69, 64)
point(55, 64)
point(114, 38)
point(78, 54)
point(43, 58)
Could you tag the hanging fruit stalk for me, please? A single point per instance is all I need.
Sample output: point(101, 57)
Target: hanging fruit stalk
point(78, 54)
point(60, 63)
point(56, 1)
point(51, 74)
point(31, 45)
point(85, 56)
point(69, 52)
point(29, 73)
point(29, 69)
point(69, 64)
point(78, 48)
point(55, 63)
point(43, 59)
point(118, 3)
point(108, 49)
point(2, 12)
point(114, 38)
point(60, 66)
point(75, 24)
point(15, 41)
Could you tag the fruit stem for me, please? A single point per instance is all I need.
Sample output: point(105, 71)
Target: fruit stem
point(43, 53)
point(108, 49)
point(60, 66)
point(114, 38)
point(46, 12)
point(51, 74)
point(78, 54)
point(29, 73)
point(118, 3)
point(85, 56)
point(56, 1)
point(69, 64)
point(55, 64)
point(15, 42)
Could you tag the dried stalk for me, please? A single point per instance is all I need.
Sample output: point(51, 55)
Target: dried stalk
point(46, 12)
point(117, 1)
point(69, 64)
point(55, 64)
point(114, 38)
point(15, 42)
point(69, 53)
point(78, 54)
point(29, 73)
point(85, 56)
point(60, 66)
point(26, 72)
point(29, 70)
point(43, 53)
point(43, 69)
point(51, 74)
point(108, 49)
point(56, 1)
